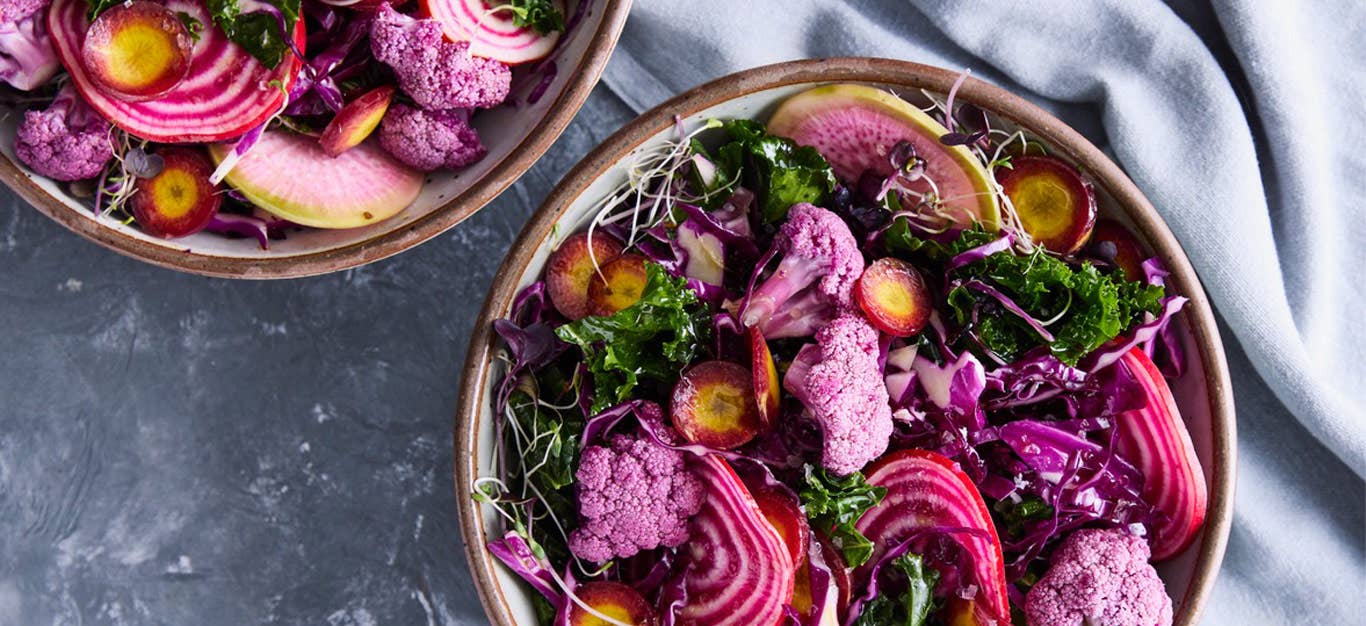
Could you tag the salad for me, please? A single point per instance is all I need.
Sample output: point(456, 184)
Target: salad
point(250, 118)
point(862, 364)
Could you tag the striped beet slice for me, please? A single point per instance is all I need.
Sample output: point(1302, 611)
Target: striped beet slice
point(927, 490)
point(1154, 438)
point(491, 34)
point(226, 93)
point(739, 572)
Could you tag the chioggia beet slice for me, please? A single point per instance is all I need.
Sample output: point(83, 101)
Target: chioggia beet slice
point(927, 490)
point(225, 93)
point(492, 34)
point(737, 571)
point(1154, 438)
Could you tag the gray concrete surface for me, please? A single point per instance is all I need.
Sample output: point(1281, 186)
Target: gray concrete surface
point(185, 451)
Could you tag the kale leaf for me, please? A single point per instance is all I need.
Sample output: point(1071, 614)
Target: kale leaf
point(265, 34)
point(541, 16)
point(835, 503)
point(653, 339)
point(776, 169)
point(1015, 516)
point(1090, 307)
point(915, 604)
point(96, 7)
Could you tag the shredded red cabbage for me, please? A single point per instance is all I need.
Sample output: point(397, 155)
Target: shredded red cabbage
point(1000, 244)
point(518, 556)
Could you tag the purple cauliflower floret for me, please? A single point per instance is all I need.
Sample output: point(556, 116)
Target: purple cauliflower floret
point(815, 279)
point(839, 382)
point(635, 495)
point(437, 74)
point(27, 59)
point(430, 140)
point(66, 141)
point(1100, 577)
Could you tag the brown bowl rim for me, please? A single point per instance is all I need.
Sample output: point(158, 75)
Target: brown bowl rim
point(459, 208)
point(1104, 172)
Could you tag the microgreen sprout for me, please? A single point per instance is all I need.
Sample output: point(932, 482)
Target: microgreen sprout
point(118, 182)
point(991, 151)
point(522, 441)
point(649, 194)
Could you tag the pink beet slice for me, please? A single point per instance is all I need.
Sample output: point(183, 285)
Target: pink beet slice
point(290, 176)
point(1154, 438)
point(491, 34)
point(927, 490)
point(137, 51)
point(713, 405)
point(856, 126)
point(225, 93)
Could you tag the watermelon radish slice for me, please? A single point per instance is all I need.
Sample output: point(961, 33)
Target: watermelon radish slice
point(740, 572)
point(290, 176)
point(856, 126)
point(225, 93)
point(927, 490)
point(491, 33)
point(1155, 440)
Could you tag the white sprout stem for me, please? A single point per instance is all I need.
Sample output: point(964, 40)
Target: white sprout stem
point(633, 199)
point(1061, 313)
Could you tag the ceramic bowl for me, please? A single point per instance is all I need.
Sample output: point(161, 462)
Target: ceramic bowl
point(516, 136)
point(1203, 392)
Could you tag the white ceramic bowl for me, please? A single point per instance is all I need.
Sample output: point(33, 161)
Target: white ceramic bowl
point(515, 136)
point(1203, 392)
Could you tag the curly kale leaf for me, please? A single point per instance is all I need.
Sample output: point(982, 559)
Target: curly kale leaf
point(653, 339)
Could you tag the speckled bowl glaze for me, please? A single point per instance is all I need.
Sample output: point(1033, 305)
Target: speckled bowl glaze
point(1203, 392)
point(516, 136)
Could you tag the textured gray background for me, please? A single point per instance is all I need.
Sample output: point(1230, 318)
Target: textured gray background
point(189, 451)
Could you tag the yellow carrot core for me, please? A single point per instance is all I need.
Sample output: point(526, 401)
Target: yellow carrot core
point(176, 192)
point(142, 54)
point(1044, 203)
